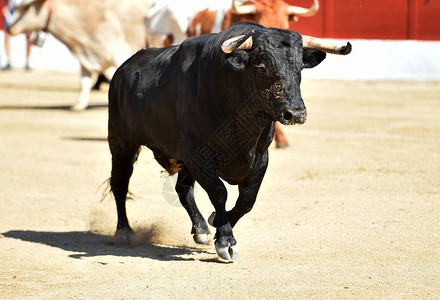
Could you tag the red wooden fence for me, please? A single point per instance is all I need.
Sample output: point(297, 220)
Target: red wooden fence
point(368, 19)
point(372, 19)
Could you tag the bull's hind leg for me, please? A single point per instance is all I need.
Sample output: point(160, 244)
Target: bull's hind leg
point(185, 190)
point(123, 157)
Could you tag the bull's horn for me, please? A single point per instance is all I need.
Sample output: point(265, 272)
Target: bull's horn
point(326, 46)
point(238, 42)
point(304, 12)
point(243, 9)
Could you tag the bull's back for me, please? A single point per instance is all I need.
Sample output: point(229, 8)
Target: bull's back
point(143, 97)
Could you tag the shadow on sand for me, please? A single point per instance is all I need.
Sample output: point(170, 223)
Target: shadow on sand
point(50, 107)
point(87, 244)
point(38, 87)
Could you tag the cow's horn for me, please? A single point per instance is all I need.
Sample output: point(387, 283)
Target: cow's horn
point(326, 46)
point(243, 9)
point(304, 12)
point(238, 42)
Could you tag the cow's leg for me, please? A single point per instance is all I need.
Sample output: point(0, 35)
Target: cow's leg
point(87, 80)
point(248, 190)
point(206, 175)
point(280, 139)
point(109, 72)
point(124, 156)
point(185, 190)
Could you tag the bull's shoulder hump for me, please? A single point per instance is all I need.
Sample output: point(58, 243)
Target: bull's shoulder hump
point(190, 49)
point(151, 61)
point(151, 55)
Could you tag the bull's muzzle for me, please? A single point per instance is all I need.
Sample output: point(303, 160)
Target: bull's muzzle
point(290, 117)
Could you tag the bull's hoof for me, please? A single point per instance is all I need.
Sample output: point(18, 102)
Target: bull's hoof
point(227, 253)
point(124, 237)
point(201, 238)
point(226, 247)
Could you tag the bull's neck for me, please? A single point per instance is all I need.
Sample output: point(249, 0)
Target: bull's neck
point(239, 121)
point(248, 108)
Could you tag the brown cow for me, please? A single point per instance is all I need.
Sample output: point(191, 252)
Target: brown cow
point(270, 13)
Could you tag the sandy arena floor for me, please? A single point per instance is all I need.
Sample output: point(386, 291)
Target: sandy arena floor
point(350, 210)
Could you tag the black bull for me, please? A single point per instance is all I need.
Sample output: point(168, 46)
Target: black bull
point(207, 114)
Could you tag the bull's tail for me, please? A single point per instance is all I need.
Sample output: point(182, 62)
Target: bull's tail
point(107, 191)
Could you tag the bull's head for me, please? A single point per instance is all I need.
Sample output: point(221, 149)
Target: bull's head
point(30, 16)
point(273, 60)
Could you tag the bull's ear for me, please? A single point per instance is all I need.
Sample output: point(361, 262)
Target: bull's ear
point(238, 60)
point(312, 57)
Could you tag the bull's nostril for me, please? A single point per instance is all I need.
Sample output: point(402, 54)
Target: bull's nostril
point(293, 117)
point(288, 115)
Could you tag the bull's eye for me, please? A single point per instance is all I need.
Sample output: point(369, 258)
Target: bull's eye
point(261, 68)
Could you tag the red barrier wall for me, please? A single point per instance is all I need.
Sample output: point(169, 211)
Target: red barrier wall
point(2, 18)
point(372, 19)
point(367, 19)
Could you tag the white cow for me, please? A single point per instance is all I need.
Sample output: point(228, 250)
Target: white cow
point(100, 34)
point(168, 20)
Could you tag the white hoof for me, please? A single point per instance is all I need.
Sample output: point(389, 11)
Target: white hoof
point(201, 238)
point(227, 253)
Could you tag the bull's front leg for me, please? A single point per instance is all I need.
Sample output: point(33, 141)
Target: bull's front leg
point(205, 174)
point(248, 190)
point(87, 80)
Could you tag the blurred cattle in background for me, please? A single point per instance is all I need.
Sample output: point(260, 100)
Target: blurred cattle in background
point(100, 34)
point(170, 22)
point(269, 13)
point(167, 21)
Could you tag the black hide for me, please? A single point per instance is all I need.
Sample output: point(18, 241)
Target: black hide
point(207, 115)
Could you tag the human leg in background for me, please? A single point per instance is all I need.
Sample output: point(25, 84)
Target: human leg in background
point(8, 51)
point(28, 51)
